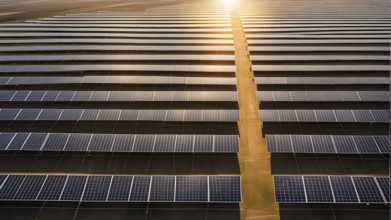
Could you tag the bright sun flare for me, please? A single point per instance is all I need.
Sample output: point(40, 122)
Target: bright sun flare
point(229, 3)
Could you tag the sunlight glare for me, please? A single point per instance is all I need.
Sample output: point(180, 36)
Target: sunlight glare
point(229, 4)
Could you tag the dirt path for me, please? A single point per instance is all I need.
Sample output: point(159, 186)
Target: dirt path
point(257, 184)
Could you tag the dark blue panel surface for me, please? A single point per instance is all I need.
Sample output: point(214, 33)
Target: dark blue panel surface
point(383, 143)
point(367, 190)
point(78, 142)
point(323, 144)
point(74, 188)
point(227, 143)
point(289, 189)
point(302, 144)
point(35, 141)
point(101, 142)
point(123, 143)
point(343, 189)
point(366, 145)
point(224, 189)
point(203, 143)
point(165, 143)
point(162, 188)
point(5, 139)
point(140, 188)
point(191, 188)
point(384, 184)
point(56, 142)
point(52, 188)
point(11, 186)
point(144, 143)
point(120, 188)
point(30, 187)
point(344, 144)
point(184, 143)
point(97, 188)
point(318, 189)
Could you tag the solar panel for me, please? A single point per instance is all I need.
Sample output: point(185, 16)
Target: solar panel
point(191, 189)
point(162, 188)
point(318, 189)
point(74, 188)
point(343, 189)
point(224, 189)
point(302, 144)
point(101, 142)
point(2, 179)
point(123, 143)
point(52, 188)
point(30, 187)
point(367, 190)
point(78, 142)
point(28, 114)
point(344, 144)
point(120, 188)
point(383, 143)
point(34, 141)
point(366, 145)
point(226, 143)
point(279, 143)
point(203, 143)
point(165, 143)
point(6, 139)
point(184, 143)
point(11, 186)
point(144, 143)
point(323, 144)
point(18, 141)
point(289, 189)
point(384, 184)
point(97, 188)
point(56, 142)
point(140, 188)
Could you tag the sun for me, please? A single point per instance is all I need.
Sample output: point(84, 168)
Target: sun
point(229, 4)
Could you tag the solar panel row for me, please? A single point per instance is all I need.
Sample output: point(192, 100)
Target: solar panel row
point(116, 48)
point(116, 96)
point(118, 142)
point(363, 116)
point(331, 189)
point(213, 189)
point(116, 57)
point(119, 35)
point(118, 30)
point(322, 80)
point(118, 115)
point(329, 144)
point(323, 96)
point(284, 48)
point(112, 67)
point(118, 80)
point(99, 25)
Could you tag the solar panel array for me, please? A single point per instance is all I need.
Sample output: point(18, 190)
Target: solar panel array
point(118, 142)
point(322, 70)
point(328, 144)
point(93, 188)
point(118, 115)
point(342, 116)
point(169, 77)
point(331, 189)
point(116, 96)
